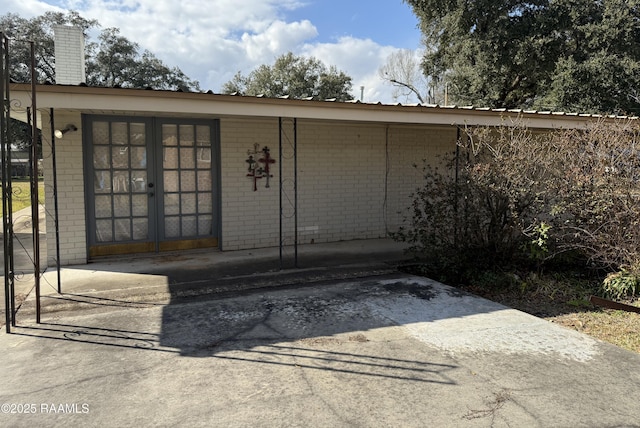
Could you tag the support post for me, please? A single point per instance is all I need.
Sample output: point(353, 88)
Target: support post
point(295, 192)
point(55, 199)
point(7, 217)
point(288, 178)
point(35, 216)
point(280, 242)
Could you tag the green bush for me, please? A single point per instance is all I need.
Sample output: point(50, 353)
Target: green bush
point(622, 284)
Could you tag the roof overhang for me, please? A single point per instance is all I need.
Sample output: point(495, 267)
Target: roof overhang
point(24, 115)
point(168, 103)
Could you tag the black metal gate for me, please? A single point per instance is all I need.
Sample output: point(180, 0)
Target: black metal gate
point(7, 218)
point(6, 140)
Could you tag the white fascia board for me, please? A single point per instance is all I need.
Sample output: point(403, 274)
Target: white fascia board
point(24, 116)
point(168, 103)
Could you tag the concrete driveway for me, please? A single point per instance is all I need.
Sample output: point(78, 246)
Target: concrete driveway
point(23, 243)
point(391, 350)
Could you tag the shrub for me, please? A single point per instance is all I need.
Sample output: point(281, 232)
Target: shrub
point(622, 284)
point(482, 215)
point(595, 183)
point(519, 197)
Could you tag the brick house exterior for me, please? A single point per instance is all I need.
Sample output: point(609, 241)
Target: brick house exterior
point(355, 166)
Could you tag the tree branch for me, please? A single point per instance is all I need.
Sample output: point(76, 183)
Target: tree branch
point(410, 87)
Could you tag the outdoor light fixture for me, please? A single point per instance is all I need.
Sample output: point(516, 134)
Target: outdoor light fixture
point(69, 128)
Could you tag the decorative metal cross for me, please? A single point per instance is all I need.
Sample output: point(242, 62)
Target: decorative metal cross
point(257, 171)
point(266, 160)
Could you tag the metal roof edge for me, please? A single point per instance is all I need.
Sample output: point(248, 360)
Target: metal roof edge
point(288, 101)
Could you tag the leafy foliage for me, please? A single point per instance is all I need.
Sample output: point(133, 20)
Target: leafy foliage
point(19, 134)
point(525, 199)
point(622, 284)
point(40, 31)
point(116, 61)
point(295, 76)
point(562, 54)
point(111, 61)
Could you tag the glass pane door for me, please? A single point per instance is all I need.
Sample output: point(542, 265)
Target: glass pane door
point(150, 184)
point(120, 178)
point(187, 181)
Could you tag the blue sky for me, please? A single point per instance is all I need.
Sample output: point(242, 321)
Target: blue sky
point(388, 22)
point(211, 40)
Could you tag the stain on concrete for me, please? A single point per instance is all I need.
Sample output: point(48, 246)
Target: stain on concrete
point(459, 322)
point(421, 291)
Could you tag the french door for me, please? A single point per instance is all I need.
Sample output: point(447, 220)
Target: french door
point(151, 184)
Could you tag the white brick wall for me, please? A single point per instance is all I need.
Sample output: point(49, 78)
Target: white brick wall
point(71, 205)
point(409, 146)
point(69, 55)
point(342, 168)
point(340, 181)
point(353, 181)
point(249, 219)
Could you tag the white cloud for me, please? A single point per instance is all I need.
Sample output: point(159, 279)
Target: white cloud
point(26, 8)
point(210, 40)
point(359, 58)
point(279, 37)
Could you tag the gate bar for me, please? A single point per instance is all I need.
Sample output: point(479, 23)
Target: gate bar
point(7, 218)
point(55, 199)
point(35, 220)
point(280, 182)
point(295, 192)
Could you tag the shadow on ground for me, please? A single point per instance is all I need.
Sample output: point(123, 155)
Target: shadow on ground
point(331, 312)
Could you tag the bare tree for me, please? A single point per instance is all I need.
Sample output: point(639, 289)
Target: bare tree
point(404, 72)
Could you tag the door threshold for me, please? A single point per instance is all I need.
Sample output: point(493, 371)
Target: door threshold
point(168, 255)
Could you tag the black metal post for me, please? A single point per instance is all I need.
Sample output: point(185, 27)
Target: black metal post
point(55, 199)
point(455, 196)
point(295, 192)
point(280, 181)
point(35, 220)
point(6, 179)
point(10, 235)
point(292, 163)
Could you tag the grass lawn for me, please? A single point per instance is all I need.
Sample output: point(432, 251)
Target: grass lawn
point(565, 302)
point(617, 327)
point(21, 191)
